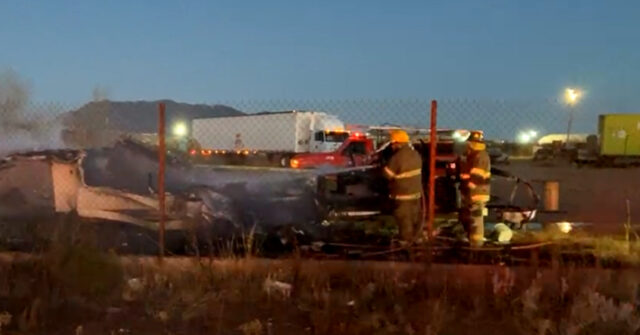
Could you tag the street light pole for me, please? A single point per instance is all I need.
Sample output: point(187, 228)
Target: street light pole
point(571, 110)
point(572, 96)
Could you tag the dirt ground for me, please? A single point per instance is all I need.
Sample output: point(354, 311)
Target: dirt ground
point(595, 196)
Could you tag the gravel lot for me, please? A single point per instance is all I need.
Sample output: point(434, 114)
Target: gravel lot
point(595, 196)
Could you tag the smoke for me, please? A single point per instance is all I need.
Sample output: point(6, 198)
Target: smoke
point(14, 95)
point(100, 93)
point(24, 126)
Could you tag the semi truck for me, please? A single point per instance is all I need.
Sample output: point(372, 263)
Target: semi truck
point(617, 142)
point(276, 136)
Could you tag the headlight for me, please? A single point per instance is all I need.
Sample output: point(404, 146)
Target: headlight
point(461, 135)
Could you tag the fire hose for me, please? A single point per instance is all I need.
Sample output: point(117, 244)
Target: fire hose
point(518, 183)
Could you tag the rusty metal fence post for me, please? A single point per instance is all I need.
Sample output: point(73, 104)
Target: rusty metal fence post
point(161, 167)
point(432, 168)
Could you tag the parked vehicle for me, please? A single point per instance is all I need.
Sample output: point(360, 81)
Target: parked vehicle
point(276, 135)
point(497, 155)
point(543, 153)
point(557, 150)
point(354, 151)
point(361, 148)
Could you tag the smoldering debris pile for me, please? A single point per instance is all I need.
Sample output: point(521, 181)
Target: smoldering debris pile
point(267, 198)
point(116, 184)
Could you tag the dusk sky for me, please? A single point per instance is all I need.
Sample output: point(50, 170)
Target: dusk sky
point(205, 51)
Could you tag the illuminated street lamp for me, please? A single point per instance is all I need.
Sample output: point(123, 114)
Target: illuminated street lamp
point(527, 136)
point(524, 137)
point(180, 129)
point(572, 96)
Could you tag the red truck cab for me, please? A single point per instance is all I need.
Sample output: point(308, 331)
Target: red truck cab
point(354, 151)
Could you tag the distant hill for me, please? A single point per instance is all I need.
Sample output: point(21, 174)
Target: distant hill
point(100, 123)
point(139, 116)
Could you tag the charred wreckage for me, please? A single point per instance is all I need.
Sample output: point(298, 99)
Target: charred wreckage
point(112, 190)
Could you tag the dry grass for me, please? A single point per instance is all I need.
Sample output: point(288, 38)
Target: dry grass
point(64, 292)
point(605, 248)
point(74, 288)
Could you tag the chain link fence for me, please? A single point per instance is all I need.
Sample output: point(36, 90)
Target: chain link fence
point(29, 126)
point(94, 171)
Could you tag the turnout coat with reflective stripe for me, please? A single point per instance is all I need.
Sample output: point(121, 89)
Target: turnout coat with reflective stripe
point(476, 174)
point(404, 171)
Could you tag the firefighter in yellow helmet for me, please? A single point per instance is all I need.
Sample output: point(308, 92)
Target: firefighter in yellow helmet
point(404, 173)
point(475, 188)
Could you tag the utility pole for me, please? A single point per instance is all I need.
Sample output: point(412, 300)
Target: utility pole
point(571, 95)
point(571, 110)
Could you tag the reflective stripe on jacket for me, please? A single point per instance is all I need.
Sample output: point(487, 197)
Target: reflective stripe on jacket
point(406, 196)
point(404, 172)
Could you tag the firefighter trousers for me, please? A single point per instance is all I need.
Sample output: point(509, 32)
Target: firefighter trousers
point(473, 220)
point(407, 214)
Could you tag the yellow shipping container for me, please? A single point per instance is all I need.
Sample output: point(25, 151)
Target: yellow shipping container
point(619, 134)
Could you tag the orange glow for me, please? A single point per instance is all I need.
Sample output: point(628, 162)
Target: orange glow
point(295, 163)
point(565, 227)
point(205, 152)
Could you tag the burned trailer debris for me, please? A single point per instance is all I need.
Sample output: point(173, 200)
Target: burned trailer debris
point(113, 188)
point(259, 200)
point(26, 184)
point(42, 186)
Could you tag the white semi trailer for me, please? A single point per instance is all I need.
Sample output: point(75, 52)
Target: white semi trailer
point(276, 135)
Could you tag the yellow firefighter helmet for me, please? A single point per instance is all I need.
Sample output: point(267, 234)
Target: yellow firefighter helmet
point(399, 136)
